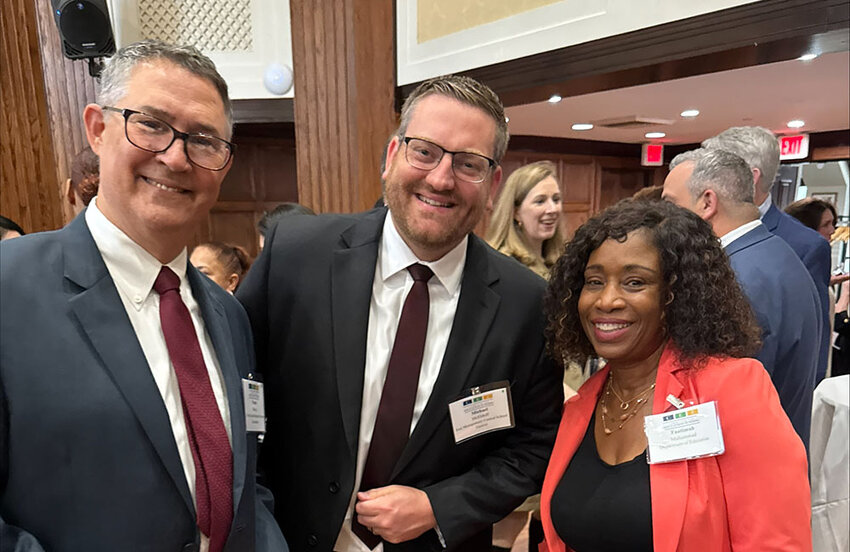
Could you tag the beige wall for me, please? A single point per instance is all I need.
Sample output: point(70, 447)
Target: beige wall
point(436, 18)
point(436, 37)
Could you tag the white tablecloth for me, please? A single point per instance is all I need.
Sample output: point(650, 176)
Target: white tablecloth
point(830, 464)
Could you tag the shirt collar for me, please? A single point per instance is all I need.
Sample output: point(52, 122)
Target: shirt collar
point(729, 237)
point(132, 268)
point(765, 206)
point(395, 256)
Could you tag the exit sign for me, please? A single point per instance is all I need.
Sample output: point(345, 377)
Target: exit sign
point(652, 155)
point(794, 147)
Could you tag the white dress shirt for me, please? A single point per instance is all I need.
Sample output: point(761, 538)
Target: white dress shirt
point(389, 290)
point(133, 270)
point(733, 235)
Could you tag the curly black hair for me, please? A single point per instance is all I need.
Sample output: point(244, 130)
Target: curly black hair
point(706, 313)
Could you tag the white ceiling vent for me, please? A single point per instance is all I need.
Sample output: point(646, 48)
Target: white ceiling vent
point(631, 122)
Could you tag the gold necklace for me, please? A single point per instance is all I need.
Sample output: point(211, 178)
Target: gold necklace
point(629, 407)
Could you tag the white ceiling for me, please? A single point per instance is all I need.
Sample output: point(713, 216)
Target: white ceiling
point(816, 91)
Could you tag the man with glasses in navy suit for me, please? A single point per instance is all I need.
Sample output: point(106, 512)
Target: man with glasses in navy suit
point(122, 420)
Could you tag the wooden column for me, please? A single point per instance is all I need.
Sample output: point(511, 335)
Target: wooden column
point(28, 187)
point(68, 87)
point(344, 57)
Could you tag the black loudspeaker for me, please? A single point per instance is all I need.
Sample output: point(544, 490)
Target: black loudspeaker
point(84, 28)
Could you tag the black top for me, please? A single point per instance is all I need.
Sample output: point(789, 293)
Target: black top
point(598, 507)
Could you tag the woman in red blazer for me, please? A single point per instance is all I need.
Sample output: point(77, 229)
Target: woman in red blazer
point(646, 286)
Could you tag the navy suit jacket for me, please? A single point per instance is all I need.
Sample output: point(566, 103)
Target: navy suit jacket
point(308, 298)
point(784, 300)
point(88, 459)
point(816, 255)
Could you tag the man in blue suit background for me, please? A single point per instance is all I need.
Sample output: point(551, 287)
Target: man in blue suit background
point(718, 186)
point(760, 149)
point(122, 422)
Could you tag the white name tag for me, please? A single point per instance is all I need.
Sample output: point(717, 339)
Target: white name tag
point(255, 405)
point(487, 408)
point(691, 432)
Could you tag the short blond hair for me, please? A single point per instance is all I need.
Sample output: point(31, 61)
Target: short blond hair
point(465, 90)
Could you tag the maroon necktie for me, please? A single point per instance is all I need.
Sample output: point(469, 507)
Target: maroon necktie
point(204, 426)
point(395, 411)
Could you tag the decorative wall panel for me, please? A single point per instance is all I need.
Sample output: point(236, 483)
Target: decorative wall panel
point(212, 26)
point(245, 38)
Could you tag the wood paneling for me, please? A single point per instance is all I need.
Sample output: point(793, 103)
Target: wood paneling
point(262, 177)
point(343, 54)
point(28, 186)
point(69, 88)
point(834, 153)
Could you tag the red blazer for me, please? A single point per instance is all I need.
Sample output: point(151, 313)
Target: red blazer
point(753, 497)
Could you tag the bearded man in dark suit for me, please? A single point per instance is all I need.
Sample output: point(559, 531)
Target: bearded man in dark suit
point(330, 302)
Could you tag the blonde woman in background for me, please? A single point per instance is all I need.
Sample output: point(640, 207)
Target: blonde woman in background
point(526, 223)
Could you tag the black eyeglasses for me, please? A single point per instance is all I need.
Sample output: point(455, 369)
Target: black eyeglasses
point(155, 135)
point(425, 155)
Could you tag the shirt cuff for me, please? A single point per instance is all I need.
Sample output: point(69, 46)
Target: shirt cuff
point(440, 536)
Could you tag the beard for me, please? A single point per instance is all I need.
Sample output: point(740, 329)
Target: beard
point(432, 233)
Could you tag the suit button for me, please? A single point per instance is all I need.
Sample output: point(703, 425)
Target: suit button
point(333, 487)
point(312, 540)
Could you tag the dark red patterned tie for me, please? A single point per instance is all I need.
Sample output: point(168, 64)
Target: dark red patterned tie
point(204, 426)
point(395, 411)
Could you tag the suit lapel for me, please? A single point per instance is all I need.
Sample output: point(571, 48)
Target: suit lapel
point(218, 328)
point(100, 312)
point(669, 482)
point(476, 308)
point(352, 274)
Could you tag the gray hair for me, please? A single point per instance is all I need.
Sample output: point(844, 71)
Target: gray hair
point(118, 69)
point(727, 174)
point(465, 90)
point(691, 155)
point(755, 145)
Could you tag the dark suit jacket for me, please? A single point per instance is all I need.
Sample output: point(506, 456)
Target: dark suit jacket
point(308, 300)
point(87, 455)
point(816, 255)
point(784, 300)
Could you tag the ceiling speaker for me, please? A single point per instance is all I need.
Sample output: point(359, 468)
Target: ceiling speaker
point(84, 28)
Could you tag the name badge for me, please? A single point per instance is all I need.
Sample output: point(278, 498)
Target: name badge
point(690, 432)
point(255, 405)
point(486, 408)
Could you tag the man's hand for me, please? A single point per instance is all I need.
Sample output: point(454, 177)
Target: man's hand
point(395, 513)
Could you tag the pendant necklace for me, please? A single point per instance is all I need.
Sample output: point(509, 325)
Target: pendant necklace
point(628, 408)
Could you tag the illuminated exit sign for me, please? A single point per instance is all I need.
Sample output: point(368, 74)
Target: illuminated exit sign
point(652, 155)
point(794, 147)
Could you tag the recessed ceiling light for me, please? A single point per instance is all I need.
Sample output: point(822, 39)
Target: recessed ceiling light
point(807, 57)
point(655, 135)
point(689, 113)
point(796, 123)
point(554, 98)
point(582, 126)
